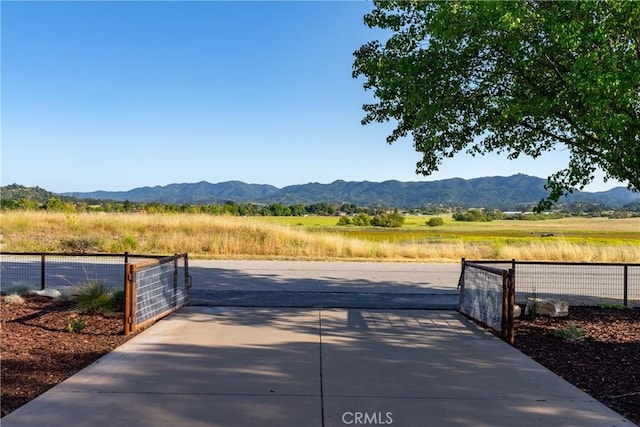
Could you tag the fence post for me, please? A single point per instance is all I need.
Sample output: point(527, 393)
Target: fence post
point(461, 284)
point(512, 273)
point(129, 297)
point(175, 273)
point(42, 264)
point(187, 280)
point(508, 305)
point(175, 280)
point(127, 287)
point(461, 279)
point(511, 305)
point(505, 305)
point(625, 291)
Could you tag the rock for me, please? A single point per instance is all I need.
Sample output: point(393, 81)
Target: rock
point(517, 311)
point(546, 307)
point(51, 293)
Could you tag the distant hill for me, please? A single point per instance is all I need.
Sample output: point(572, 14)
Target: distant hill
point(497, 192)
point(196, 193)
point(17, 192)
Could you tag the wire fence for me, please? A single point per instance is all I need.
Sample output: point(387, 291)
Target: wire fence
point(579, 283)
point(64, 271)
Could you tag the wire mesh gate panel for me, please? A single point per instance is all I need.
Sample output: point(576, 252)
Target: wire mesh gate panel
point(487, 295)
point(155, 289)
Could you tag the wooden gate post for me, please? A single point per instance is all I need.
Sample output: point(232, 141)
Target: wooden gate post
point(129, 297)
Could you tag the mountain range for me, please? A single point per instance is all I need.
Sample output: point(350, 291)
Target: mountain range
point(511, 192)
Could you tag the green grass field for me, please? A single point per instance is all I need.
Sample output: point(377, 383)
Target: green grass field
point(585, 230)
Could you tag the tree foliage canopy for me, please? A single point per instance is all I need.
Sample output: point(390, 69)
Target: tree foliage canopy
point(520, 78)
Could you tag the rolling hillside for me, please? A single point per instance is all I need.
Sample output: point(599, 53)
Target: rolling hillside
point(498, 192)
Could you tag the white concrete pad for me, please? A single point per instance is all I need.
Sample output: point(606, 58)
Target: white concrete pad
point(200, 366)
point(238, 351)
point(473, 412)
point(166, 410)
point(436, 368)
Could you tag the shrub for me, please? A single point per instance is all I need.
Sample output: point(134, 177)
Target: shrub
point(14, 299)
point(612, 306)
point(472, 215)
point(81, 244)
point(94, 298)
point(571, 333)
point(76, 325)
point(388, 220)
point(362, 220)
point(344, 221)
point(118, 300)
point(129, 242)
point(21, 289)
point(435, 222)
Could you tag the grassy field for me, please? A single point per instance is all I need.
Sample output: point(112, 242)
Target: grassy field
point(318, 238)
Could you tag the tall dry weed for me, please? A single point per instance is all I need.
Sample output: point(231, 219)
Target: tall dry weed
point(207, 236)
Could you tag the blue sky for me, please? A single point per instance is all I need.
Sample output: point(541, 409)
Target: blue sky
point(118, 95)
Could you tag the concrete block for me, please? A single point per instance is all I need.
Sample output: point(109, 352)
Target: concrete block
point(517, 311)
point(51, 293)
point(546, 307)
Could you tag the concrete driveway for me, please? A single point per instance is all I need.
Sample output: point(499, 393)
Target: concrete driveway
point(285, 367)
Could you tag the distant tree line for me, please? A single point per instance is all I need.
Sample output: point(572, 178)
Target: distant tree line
point(478, 215)
point(56, 204)
point(19, 197)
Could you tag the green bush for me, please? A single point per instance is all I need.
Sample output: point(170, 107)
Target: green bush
point(435, 222)
point(472, 215)
point(19, 288)
point(344, 221)
point(362, 220)
point(76, 325)
point(129, 242)
point(118, 300)
point(571, 333)
point(612, 306)
point(94, 298)
point(388, 220)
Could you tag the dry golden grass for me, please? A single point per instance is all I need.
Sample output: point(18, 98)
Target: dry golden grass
point(219, 237)
point(567, 251)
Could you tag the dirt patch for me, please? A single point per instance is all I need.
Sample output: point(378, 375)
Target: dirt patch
point(600, 353)
point(37, 351)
